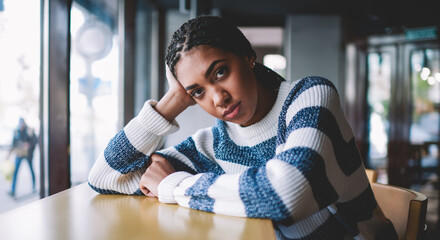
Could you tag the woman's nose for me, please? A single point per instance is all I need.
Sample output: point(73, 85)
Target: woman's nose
point(220, 97)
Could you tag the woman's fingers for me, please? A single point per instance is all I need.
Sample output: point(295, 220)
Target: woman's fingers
point(175, 85)
point(151, 195)
point(144, 190)
point(172, 81)
point(169, 74)
point(158, 169)
point(143, 186)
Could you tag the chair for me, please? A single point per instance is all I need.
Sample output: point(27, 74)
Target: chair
point(404, 207)
point(372, 175)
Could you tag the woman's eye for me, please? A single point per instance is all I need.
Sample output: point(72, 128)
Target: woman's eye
point(220, 72)
point(197, 93)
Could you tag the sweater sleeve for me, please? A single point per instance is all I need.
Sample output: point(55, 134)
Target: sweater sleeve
point(316, 165)
point(119, 168)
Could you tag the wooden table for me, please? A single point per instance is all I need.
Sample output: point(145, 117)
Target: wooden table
point(80, 213)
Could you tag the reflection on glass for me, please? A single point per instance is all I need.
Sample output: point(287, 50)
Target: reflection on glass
point(378, 100)
point(19, 96)
point(94, 82)
point(425, 80)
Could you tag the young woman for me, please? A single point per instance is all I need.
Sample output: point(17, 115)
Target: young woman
point(279, 149)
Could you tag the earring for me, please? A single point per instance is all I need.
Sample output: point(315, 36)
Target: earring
point(253, 64)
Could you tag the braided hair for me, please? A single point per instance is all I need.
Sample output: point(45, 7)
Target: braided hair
point(219, 33)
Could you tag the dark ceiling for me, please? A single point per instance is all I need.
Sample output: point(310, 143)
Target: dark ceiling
point(363, 16)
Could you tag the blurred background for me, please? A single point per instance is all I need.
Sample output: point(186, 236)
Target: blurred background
point(78, 70)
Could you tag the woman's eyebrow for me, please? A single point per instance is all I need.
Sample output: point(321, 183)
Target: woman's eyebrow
point(211, 67)
point(191, 87)
point(207, 73)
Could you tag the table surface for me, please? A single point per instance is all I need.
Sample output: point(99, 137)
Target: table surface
point(81, 213)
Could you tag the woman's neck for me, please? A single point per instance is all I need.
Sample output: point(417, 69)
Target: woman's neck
point(265, 101)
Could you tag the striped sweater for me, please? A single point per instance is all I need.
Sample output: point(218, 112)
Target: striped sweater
point(298, 166)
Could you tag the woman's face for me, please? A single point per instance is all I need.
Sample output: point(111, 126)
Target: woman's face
point(222, 83)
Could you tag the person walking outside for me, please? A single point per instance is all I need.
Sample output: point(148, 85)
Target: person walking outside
point(23, 145)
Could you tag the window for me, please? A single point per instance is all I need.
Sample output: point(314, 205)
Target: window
point(378, 100)
point(425, 117)
point(425, 80)
point(94, 83)
point(19, 95)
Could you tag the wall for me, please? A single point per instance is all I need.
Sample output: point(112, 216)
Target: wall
point(315, 48)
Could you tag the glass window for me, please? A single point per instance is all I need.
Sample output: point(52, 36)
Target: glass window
point(94, 82)
point(96, 93)
point(378, 100)
point(19, 99)
point(425, 80)
point(425, 118)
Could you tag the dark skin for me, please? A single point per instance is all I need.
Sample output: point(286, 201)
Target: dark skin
point(223, 84)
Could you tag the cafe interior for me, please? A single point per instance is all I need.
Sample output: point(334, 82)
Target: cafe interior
point(78, 71)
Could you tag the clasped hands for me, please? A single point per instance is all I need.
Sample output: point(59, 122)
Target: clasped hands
point(158, 169)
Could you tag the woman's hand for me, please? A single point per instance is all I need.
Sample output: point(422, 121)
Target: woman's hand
point(159, 169)
point(175, 101)
point(176, 87)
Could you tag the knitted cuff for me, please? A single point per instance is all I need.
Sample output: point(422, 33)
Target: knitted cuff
point(167, 185)
point(154, 122)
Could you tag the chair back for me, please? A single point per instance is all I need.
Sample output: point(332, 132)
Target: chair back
point(372, 175)
point(404, 207)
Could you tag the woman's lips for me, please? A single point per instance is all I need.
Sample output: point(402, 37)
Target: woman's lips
point(232, 111)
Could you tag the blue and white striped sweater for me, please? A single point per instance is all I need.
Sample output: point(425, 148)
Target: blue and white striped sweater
point(299, 166)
